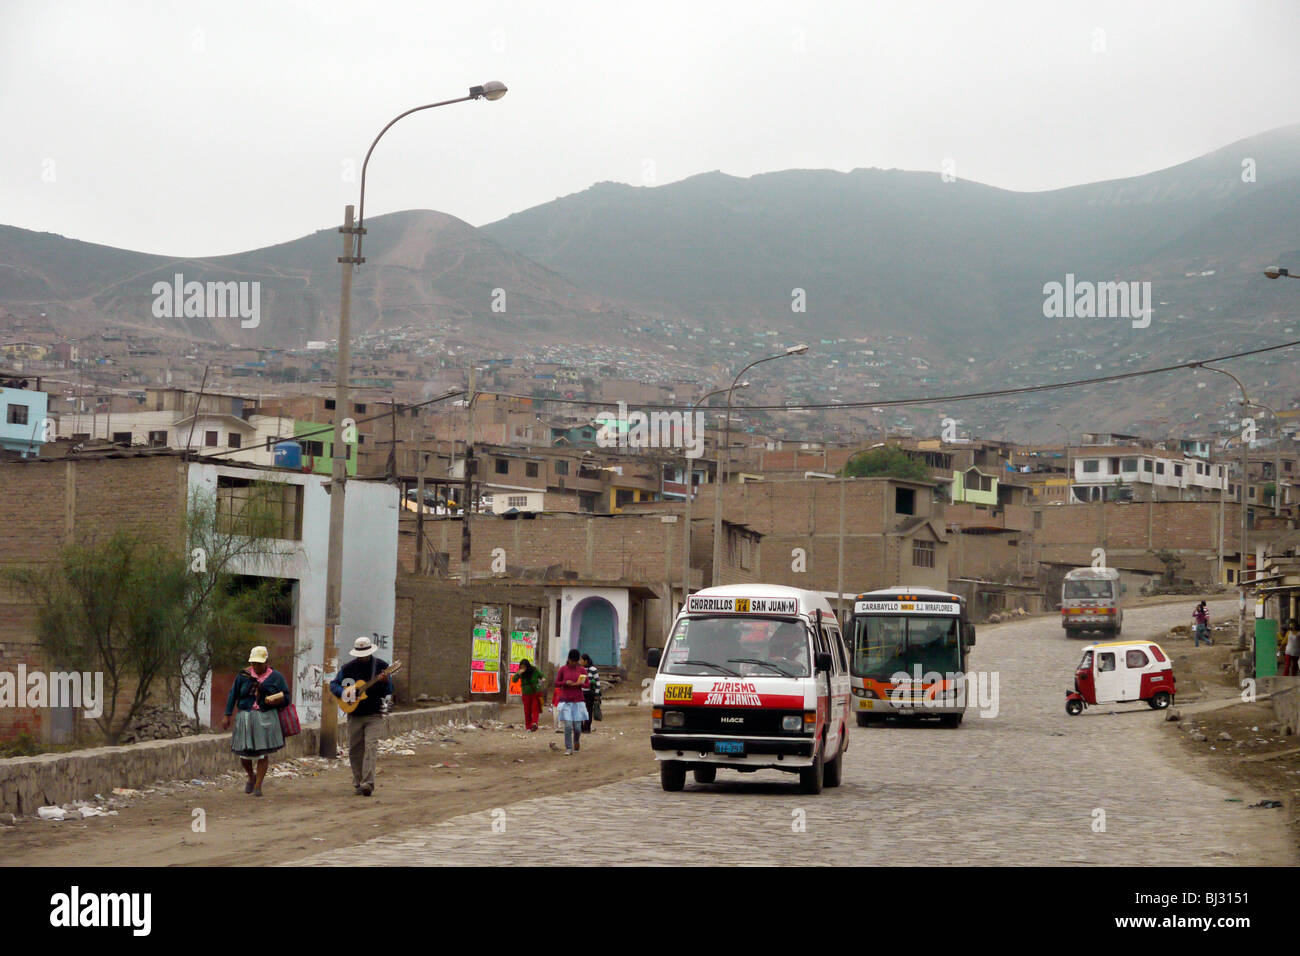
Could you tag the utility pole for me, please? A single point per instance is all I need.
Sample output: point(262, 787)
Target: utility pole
point(471, 465)
point(839, 576)
point(329, 714)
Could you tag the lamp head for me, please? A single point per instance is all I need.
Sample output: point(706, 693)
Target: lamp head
point(491, 90)
point(796, 350)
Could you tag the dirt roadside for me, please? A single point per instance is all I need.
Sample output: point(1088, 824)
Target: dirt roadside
point(1241, 740)
point(491, 766)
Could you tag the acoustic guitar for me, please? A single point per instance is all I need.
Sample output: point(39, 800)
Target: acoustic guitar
point(361, 685)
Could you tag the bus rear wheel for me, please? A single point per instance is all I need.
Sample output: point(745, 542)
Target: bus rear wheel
point(672, 775)
point(950, 720)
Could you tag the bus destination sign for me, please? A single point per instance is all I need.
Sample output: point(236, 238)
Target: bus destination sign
point(906, 607)
point(697, 604)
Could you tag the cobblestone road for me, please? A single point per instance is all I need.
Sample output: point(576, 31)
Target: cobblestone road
point(1018, 788)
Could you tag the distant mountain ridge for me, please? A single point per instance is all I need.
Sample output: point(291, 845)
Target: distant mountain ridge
point(950, 271)
point(419, 265)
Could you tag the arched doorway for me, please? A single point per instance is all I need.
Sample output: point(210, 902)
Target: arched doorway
point(595, 625)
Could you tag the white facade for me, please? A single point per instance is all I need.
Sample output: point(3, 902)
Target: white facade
point(369, 573)
point(575, 605)
point(210, 433)
point(1114, 467)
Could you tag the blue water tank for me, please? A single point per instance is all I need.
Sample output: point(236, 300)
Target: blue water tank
point(288, 454)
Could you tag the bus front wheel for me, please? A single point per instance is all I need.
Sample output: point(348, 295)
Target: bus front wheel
point(865, 720)
point(672, 775)
point(705, 774)
point(835, 768)
point(811, 779)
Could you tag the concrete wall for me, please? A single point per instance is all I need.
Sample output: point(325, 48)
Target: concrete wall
point(30, 782)
point(1285, 700)
point(434, 628)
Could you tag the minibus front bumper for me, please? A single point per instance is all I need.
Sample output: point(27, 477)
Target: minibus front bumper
point(789, 751)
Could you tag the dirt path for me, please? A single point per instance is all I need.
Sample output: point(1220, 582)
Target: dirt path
point(309, 813)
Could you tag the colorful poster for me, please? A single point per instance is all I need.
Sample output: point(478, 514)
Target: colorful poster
point(523, 646)
point(485, 651)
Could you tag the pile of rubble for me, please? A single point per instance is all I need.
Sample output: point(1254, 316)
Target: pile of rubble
point(1007, 615)
point(152, 722)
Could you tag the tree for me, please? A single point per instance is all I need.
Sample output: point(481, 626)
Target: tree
point(103, 607)
point(888, 461)
point(147, 612)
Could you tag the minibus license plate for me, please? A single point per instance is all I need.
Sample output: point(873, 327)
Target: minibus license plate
point(734, 747)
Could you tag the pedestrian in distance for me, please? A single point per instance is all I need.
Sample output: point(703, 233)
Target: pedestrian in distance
point(1292, 651)
point(530, 687)
point(255, 698)
point(590, 693)
point(570, 681)
point(1201, 625)
point(365, 724)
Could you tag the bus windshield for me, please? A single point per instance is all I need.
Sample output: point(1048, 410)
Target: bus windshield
point(883, 646)
point(1085, 589)
point(738, 646)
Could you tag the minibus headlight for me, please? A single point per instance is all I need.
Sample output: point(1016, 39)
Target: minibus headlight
point(674, 718)
point(793, 723)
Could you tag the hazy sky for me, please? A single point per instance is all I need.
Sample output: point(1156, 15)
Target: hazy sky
point(206, 128)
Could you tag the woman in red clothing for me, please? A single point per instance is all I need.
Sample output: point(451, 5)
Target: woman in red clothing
point(569, 682)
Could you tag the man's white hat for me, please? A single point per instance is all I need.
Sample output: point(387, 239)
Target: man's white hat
point(362, 647)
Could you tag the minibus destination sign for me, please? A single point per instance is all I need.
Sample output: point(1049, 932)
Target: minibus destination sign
point(698, 603)
point(906, 607)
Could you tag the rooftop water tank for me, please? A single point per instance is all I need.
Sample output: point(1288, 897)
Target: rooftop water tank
point(288, 454)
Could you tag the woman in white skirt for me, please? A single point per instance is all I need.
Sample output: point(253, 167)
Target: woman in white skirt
point(572, 709)
point(258, 692)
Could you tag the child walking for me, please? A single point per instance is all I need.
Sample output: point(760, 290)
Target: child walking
point(572, 710)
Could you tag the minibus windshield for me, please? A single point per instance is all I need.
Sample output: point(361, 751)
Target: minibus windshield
point(738, 646)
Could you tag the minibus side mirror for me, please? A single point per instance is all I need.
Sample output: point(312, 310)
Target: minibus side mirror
point(970, 635)
point(823, 661)
point(652, 657)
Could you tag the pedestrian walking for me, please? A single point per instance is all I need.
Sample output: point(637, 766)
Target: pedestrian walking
point(258, 692)
point(1292, 667)
point(530, 687)
point(569, 681)
point(591, 692)
point(366, 722)
point(1201, 625)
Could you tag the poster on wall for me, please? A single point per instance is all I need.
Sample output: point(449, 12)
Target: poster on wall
point(523, 646)
point(485, 651)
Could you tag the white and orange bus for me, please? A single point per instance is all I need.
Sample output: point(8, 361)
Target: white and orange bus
point(909, 654)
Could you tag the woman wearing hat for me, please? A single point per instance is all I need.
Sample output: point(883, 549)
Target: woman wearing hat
point(259, 692)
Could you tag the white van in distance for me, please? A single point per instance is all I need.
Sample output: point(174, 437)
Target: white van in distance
point(754, 676)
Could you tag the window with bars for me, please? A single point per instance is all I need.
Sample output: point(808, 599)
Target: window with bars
point(923, 554)
point(272, 509)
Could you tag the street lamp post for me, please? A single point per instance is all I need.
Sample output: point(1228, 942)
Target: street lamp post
point(690, 495)
point(339, 474)
point(717, 493)
point(1241, 494)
